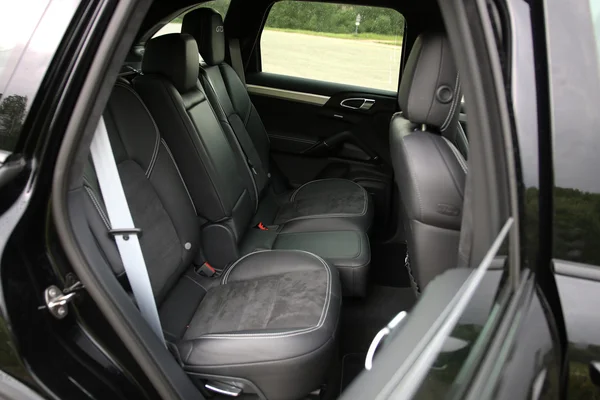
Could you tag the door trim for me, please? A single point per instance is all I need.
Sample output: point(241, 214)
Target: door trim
point(300, 97)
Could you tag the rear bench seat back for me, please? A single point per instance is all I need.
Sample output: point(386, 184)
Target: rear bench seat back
point(267, 325)
point(238, 116)
point(217, 179)
point(159, 201)
point(208, 158)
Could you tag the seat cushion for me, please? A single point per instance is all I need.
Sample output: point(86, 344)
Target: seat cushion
point(325, 198)
point(338, 241)
point(272, 321)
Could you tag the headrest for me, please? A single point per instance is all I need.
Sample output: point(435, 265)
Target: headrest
point(206, 26)
point(175, 56)
point(430, 88)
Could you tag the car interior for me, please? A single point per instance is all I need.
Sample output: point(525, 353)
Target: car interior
point(283, 220)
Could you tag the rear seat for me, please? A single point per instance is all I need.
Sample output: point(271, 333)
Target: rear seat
point(222, 184)
point(267, 325)
point(240, 120)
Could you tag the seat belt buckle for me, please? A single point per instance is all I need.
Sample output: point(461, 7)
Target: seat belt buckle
point(206, 270)
point(261, 226)
point(125, 232)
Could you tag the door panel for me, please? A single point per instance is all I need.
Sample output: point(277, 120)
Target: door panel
point(328, 130)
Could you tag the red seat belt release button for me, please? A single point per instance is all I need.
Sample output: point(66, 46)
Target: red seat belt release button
point(207, 270)
point(262, 227)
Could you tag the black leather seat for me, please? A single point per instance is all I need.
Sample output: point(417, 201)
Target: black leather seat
point(267, 325)
point(231, 102)
point(429, 170)
point(229, 198)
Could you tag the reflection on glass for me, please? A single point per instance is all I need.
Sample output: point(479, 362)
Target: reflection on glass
point(456, 357)
point(30, 32)
point(12, 114)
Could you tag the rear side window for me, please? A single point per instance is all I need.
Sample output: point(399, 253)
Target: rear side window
point(354, 45)
point(30, 32)
point(220, 6)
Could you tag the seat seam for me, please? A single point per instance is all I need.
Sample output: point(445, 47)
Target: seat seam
point(457, 154)
point(158, 137)
point(412, 173)
point(237, 140)
point(362, 265)
point(437, 81)
point(190, 136)
point(452, 106)
point(235, 264)
point(96, 204)
point(295, 193)
point(412, 81)
point(448, 169)
point(197, 283)
point(358, 235)
point(329, 339)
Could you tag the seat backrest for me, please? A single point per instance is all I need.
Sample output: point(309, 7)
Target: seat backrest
point(220, 182)
point(227, 92)
point(429, 170)
point(158, 199)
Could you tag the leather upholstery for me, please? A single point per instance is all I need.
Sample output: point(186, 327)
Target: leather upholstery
point(151, 182)
point(229, 182)
point(240, 120)
point(336, 240)
point(429, 170)
point(285, 310)
point(430, 88)
point(270, 320)
point(182, 68)
point(206, 25)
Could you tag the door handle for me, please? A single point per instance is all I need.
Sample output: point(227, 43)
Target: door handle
point(358, 103)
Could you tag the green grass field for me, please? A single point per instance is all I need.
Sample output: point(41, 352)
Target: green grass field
point(372, 37)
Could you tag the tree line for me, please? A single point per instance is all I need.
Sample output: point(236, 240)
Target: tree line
point(334, 18)
point(576, 224)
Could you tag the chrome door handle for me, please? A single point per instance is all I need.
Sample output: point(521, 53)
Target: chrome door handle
point(358, 103)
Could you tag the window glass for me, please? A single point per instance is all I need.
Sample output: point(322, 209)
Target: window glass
point(575, 120)
point(220, 6)
point(30, 32)
point(355, 45)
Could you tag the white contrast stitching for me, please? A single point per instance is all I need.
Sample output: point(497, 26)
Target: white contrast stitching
point(453, 106)
point(412, 173)
point(97, 205)
point(155, 152)
point(365, 195)
point(457, 154)
point(226, 276)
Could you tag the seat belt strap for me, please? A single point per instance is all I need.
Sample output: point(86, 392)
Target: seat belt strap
point(235, 54)
point(124, 231)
